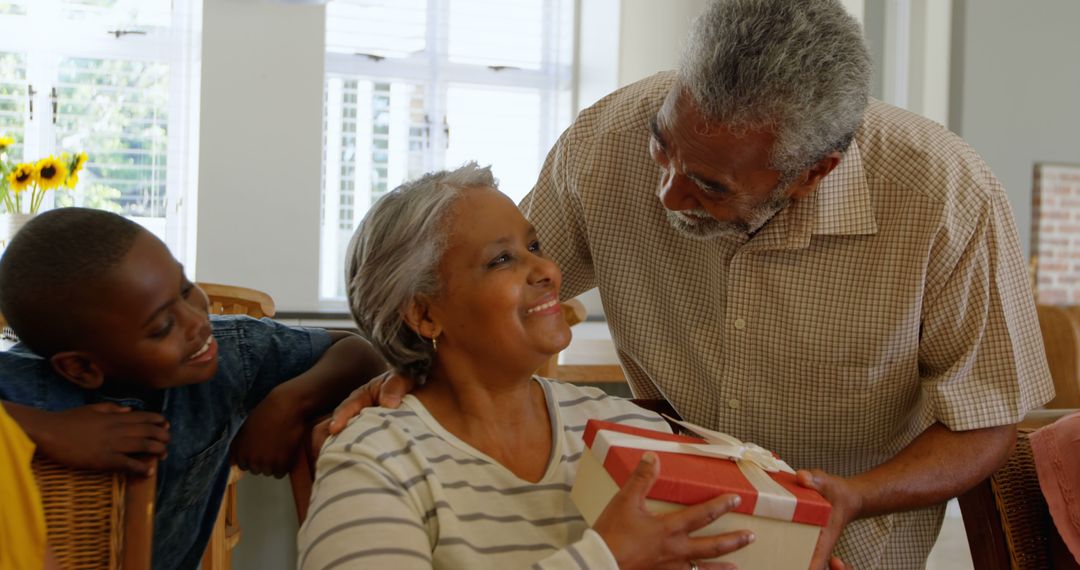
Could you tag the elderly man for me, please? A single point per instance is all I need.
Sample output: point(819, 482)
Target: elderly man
point(784, 260)
point(838, 281)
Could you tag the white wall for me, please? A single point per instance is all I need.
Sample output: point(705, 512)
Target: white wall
point(1015, 96)
point(648, 38)
point(622, 41)
point(652, 35)
point(260, 151)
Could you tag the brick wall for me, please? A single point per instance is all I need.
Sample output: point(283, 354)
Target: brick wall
point(1055, 234)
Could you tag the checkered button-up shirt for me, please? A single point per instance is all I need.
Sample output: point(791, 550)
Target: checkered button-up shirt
point(892, 297)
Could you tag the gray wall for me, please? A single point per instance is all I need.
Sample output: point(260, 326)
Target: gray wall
point(1016, 89)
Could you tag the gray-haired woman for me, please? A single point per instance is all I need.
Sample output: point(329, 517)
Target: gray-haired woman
point(448, 281)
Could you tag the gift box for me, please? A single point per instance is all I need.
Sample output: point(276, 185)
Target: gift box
point(785, 517)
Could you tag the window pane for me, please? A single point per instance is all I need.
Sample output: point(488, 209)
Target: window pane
point(376, 138)
point(386, 28)
point(117, 112)
point(500, 127)
point(13, 7)
point(497, 32)
point(119, 13)
point(13, 96)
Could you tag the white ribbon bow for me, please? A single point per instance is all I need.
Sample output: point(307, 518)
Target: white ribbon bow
point(724, 445)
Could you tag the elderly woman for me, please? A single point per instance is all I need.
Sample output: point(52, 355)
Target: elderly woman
point(449, 282)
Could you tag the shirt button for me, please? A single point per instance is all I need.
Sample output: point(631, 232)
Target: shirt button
point(740, 324)
point(734, 403)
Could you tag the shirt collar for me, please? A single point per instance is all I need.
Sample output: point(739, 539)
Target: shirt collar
point(840, 205)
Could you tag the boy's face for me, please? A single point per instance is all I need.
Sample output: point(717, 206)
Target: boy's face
point(154, 324)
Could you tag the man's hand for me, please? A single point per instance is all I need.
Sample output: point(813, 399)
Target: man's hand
point(267, 442)
point(102, 436)
point(846, 504)
point(384, 390)
point(639, 539)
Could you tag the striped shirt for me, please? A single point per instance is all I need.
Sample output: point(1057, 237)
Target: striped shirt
point(892, 297)
point(396, 490)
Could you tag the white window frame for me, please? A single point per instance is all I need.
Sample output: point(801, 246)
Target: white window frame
point(433, 70)
point(178, 49)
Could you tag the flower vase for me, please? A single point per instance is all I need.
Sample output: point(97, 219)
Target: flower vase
point(10, 224)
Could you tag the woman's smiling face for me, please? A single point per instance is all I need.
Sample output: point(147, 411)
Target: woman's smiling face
point(499, 300)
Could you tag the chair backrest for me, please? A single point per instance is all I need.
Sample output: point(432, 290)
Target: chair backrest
point(233, 300)
point(1060, 328)
point(1006, 518)
point(97, 519)
point(225, 535)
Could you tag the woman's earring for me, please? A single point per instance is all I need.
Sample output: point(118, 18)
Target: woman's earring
point(435, 343)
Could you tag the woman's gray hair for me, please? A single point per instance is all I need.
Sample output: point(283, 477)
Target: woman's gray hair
point(394, 257)
point(799, 68)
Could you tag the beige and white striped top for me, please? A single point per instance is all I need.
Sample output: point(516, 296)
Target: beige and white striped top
point(396, 490)
point(893, 297)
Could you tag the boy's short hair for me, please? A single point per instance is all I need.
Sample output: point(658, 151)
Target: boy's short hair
point(48, 270)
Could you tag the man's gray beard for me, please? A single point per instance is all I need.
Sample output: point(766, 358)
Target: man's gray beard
point(707, 228)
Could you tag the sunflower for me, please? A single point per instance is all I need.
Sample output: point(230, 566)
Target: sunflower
point(5, 142)
point(22, 177)
point(51, 173)
point(76, 164)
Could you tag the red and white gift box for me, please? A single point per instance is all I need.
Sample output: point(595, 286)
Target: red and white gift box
point(785, 517)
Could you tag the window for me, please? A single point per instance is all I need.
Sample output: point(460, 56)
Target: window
point(110, 78)
point(420, 85)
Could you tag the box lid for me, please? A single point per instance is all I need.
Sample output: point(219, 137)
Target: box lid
point(691, 479)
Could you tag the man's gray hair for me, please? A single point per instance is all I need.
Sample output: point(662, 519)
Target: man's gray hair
point(394, 256)
point(798, 68)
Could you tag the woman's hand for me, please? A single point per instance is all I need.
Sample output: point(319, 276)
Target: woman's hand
point(384, 390)
point(639, 539)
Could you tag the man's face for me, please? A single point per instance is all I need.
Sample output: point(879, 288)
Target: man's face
point(154, 323)
point(713, 182)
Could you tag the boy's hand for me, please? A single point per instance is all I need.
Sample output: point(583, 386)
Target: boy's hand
point(384, 390)
point(104, 436)
point(267, 442)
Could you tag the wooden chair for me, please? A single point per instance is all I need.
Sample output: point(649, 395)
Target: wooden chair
point(231, 300)
point(1060, 328)
point(1006, 518)
point(97, 519)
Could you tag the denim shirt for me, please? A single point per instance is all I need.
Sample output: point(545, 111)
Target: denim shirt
point(254, 356)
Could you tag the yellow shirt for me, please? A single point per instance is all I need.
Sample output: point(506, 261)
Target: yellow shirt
point(22, 521)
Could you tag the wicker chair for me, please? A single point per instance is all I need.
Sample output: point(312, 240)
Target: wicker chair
point(231, 300)
point(97, 519)
point(1006, 518)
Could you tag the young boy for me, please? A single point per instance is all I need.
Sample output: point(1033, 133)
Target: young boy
point(126, 363)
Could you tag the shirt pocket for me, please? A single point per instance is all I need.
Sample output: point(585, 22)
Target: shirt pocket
point(201, 472)
point(861, 407)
